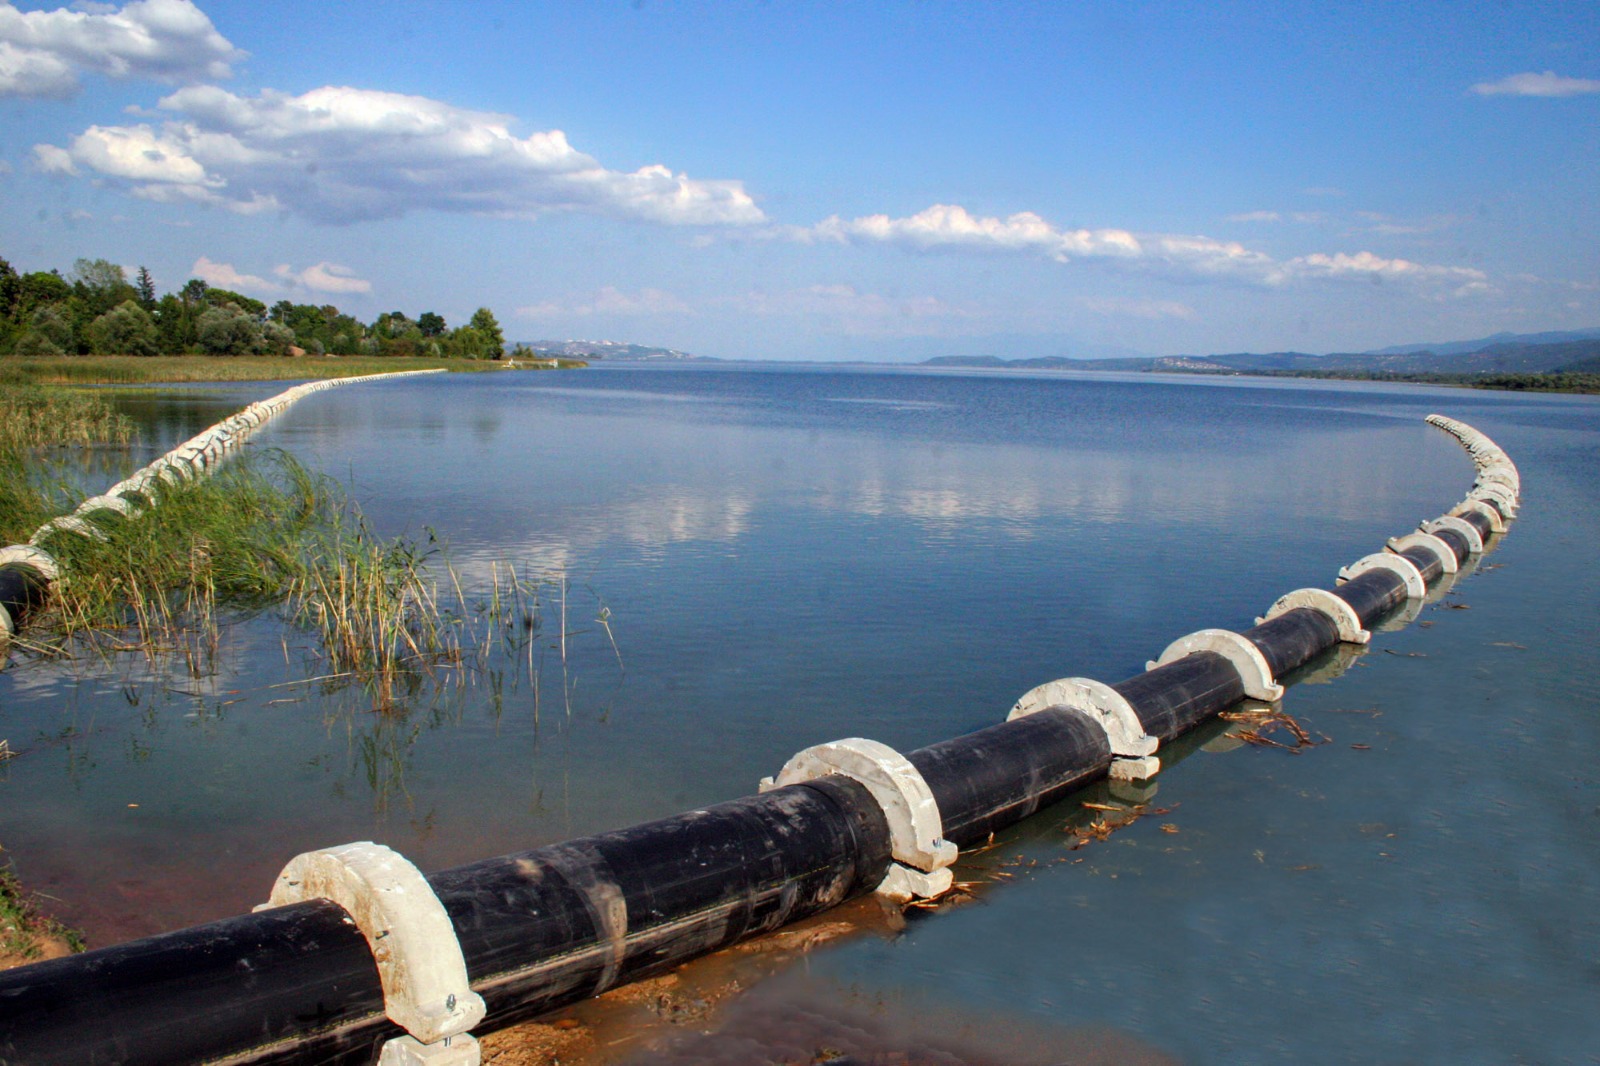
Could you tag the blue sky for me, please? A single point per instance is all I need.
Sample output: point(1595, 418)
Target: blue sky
point(840, 181)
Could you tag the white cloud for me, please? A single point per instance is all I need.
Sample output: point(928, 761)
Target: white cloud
point(342, 155)
point(42, 53)
point(1529, 84)
point(952, 226)
point(224, 276)
point(1256, 216)
point(1364, 266)
point(948, 227)
point(324, 277)
point(321, 277)
point(610, 301)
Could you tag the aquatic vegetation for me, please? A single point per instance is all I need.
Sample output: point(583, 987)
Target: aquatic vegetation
point(36, 417)
point(373, 605)
point(161, 580)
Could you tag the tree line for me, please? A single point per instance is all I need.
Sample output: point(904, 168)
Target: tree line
point(97, 310)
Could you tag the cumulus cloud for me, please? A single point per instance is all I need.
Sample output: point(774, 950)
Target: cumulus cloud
point(224, 276)
point(338, 154)
point(323, 277)
point(1529, 84)
point(948, 227)
point(609, 301)
point(43, 53)
point(1364, 266)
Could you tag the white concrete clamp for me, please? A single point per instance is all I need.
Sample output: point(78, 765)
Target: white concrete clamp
point(1498, 495)
point(916, 830)
point(69, 524)
point(1341, 614)
point(1447, 558)
point(30, 555)
point(1245, 657)
point(1134, 750)
point(424, 976)
point(1416, 588)
point(1460, 525)
point(108, 502)
point(1497, 522)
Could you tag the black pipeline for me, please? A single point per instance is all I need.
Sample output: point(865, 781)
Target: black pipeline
point(313, 981)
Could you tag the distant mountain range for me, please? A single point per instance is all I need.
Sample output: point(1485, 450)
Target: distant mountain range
point(1504, 353)
point(607, 350)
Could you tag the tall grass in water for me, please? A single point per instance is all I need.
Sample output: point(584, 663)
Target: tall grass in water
point(32, 416)
point(159, 582)
point(32, 420)
point(374, 606)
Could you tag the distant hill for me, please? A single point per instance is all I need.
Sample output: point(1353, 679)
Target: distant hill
point(1576, 352)
point(610, 351)
point(1466, 347)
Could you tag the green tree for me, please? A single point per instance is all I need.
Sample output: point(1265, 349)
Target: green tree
point(175, 324)
point(276, 338)
point(126, 329)
point(10, 289)
point(218, 297)
point(493, 341)
point(146, 286)
point(41, 289)
point(99, 285)
point(49, 333)
point(228, 330)
point(431, 325)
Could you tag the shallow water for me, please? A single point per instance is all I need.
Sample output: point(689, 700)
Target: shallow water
point(793, 555)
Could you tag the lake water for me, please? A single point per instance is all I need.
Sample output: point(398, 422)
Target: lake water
point(791, 555)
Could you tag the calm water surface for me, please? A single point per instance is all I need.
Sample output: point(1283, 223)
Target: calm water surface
point(788, 556)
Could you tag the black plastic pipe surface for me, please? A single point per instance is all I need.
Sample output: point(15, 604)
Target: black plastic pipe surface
point(1373, 595)
point(539, 930)
point(1293, 639)
point(1456, 542)
point(1426, 560)
point(22, 588)
point(993, 778)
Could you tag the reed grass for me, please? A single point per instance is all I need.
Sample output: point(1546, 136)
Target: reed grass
point(161, 581)
point(374, 606)
point(32, 416)
point(34, 419)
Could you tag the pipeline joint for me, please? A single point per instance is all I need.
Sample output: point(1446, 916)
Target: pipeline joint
point(1247, 660)
point(1132, 749)
point(916, 829)
point(1399, 565)
point(424, 975)
point(1337, 611)
point(1460, 525)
